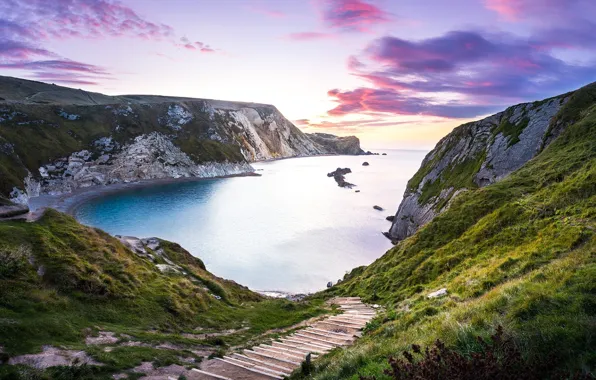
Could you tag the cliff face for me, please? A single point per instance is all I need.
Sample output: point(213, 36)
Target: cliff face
point(475, 155)
point(55, 139)
point(349, 145)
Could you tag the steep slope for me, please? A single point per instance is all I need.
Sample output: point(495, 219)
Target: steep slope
point(478, 154)
point(55, 139)
point(62, 283)
point(519, 253)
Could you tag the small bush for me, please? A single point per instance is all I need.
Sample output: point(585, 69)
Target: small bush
point(498, 360)
point(14, 260)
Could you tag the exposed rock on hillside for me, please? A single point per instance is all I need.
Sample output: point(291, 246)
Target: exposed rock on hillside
point(475, 155)
point(55, 139)
point(349, 145)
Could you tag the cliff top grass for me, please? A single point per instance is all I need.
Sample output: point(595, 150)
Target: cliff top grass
point(61, 281)
point(519, 254)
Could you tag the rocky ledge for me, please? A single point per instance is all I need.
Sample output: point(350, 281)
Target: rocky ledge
point(478, 154)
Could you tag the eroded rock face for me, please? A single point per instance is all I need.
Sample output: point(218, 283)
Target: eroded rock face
point(474, 155)
point(151, 156)
point(95, 140)
point(349, 145)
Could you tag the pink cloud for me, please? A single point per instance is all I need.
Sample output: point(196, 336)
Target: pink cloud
point(26, 25)
point(353, 15)
point(309, 36)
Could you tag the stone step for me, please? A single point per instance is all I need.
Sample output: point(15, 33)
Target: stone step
point(332, 338)
point(292, 364)
point(292, 351)
point(249, 364)
point(353, 317)
point(261, 363)
point(356, 324)
point(337, 326)
point(302, 348)
point(207, 375)
point(298, 340)
point(262, 373)
point(222, 368)
point(280, 354)
point(314, 339)
point(345, 335)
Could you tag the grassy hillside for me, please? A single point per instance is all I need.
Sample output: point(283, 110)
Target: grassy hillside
point(520, 254)
point(61, 282)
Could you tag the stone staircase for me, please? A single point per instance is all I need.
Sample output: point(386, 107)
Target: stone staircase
point(280, 358)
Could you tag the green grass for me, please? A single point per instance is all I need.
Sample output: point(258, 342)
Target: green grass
point(89, 281)
point(520, 253)
point(39, 135)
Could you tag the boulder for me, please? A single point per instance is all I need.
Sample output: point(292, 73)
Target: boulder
point(378, 208)
point(384, 154)
point(438, 293)
point(357, 191)
point(390, 218)
point(329, 284)
point(365, 163)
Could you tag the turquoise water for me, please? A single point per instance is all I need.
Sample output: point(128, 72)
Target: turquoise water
point(292, 229)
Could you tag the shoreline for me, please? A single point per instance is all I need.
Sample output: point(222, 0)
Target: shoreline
point(68, 203)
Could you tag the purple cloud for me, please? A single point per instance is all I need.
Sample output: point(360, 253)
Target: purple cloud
point(353, 15)
point(480, 72)
point(516, 10)
point(26, 25)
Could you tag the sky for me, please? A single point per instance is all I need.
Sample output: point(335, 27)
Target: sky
point(395, 73)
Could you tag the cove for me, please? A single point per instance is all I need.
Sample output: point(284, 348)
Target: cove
point(292, 229)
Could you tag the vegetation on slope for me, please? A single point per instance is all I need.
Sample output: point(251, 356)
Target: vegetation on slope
point(34, 135)
point(61, 281)
point(520, 254)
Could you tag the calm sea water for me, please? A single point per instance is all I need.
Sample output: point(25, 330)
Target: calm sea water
point(292, 229)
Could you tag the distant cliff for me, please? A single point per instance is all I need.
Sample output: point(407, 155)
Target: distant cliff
point(349, 145)
point(56, 139)
point(478, 154)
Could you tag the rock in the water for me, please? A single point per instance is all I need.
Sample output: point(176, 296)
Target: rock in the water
point(365, 163)
point(329, 284)
point(339, 176)
point(378, 208)
point(390, 218)
point(339, 171)
point(384, 154)
point(357, 191)
point(439, 293)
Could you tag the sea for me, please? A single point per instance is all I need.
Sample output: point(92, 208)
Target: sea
point(291, 229)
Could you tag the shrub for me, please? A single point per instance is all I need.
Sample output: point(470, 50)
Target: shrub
point(498, 360)
point(14, 260)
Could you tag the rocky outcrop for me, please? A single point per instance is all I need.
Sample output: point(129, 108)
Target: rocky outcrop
point(13, 210)
point(339, 176)
point(151, 156)
point(349, 145)
point(55, 139)
point(475, 155)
